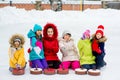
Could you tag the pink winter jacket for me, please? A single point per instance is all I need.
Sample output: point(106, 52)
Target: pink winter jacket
point(68, 50)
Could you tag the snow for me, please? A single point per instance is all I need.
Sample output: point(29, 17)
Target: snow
point(13, 20)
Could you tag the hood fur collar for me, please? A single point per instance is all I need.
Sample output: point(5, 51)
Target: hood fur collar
point(21, 37)
point(103, 39)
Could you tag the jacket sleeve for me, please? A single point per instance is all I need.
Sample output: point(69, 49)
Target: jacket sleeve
point(12, 58)
point(55, 49)
point(21, 56)
point(80, 47)
point(79, 44)
point(33, 41)
point(95, 47)
point(62, 46)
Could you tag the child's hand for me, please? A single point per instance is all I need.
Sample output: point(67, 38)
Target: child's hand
point(99, 51)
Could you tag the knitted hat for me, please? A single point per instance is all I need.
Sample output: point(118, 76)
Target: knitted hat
point(66, 32)
point(87, 32)
point(100, 29)
point(37, 27)
point(17, 39)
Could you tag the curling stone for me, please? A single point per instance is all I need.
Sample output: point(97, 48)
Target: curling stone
point(49, 71)
point(62, 71)
point(93, 72)
point(80, 71)
point(35, 71)
point(16, 71)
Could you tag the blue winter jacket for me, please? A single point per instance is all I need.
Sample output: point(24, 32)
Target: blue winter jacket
point(33, 40)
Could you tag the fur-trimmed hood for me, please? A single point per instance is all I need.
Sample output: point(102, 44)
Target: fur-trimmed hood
point(103, 39)
point(50, 25)
point(13, 37)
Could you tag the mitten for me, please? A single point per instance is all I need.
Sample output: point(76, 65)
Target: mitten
point(18, 66)
point(37, 50)
point(99, 51)
point(29, 50)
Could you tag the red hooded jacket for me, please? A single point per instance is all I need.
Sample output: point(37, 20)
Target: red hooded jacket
point(51, 46)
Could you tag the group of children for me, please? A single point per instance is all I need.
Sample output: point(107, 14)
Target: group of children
point(88, 54)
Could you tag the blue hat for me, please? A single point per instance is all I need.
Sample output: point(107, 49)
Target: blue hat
point(37, 27)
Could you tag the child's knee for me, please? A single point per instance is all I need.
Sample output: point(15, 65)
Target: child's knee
point(75, 64)
point(65, 65)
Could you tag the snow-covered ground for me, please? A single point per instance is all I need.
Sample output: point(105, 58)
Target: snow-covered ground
point(13, 20)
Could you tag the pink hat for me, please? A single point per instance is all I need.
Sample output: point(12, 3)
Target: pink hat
point(87, 32)
point(100, 29)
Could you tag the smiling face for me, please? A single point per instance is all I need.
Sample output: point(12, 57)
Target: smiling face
point(39, 32)
point(87, 36)
point(16, 44)
point(66, 37)
point(50, 32)
point(98, 35)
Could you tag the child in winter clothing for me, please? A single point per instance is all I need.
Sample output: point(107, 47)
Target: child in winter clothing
point(70, 57)
point(16, 52)
point(51, 46)
point(36, 55)
point(87, 60)
point(98, 44)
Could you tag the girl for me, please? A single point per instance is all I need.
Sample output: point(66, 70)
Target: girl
point(69, 52)
point(98, 44)
point(51, 46)
point(87, 59)
point(16, 52)
point(36, 55)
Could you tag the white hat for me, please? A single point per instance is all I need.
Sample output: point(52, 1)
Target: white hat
point(66, 32)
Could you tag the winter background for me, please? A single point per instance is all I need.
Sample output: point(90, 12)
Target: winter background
point(13, 20)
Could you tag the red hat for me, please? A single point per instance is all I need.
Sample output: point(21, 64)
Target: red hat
point(100, 29)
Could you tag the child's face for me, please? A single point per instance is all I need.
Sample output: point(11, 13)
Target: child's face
point(16, 44)
point(87, 36)
point(66, 37)
point(39, 32)
point(98, 35)
point(50, 32)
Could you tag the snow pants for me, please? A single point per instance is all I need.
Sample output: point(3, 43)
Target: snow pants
point(68, 64)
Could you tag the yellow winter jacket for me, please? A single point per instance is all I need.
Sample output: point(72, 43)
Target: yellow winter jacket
point(17, 58)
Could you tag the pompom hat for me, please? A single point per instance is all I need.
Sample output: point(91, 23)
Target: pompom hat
point(100, 29)
point(87, 32)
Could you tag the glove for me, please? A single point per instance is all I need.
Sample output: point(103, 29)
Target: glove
point(18, 66)
point(37, 50)
point(29, 50)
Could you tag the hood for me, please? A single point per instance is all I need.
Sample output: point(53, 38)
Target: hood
point(15, 36)
point(31, 34)
point(50, 25)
